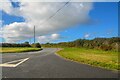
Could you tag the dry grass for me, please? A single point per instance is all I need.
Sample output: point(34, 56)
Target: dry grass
point(17, 49)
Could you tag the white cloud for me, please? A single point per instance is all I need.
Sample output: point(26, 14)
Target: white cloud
point(55, 36)
point(86, 35)
point(37, 14)
point(45, 39)
point(7, 7)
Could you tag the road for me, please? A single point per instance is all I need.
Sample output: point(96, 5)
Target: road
point(46, 64)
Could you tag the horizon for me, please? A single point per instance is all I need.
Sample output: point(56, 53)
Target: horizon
point(66, 41)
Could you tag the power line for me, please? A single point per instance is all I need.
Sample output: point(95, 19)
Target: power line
point(56, 11)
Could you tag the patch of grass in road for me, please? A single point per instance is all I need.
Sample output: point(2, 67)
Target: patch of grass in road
point(17, 49)
point(105, 59)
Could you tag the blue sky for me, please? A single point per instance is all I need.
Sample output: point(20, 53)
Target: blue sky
point(103, 23)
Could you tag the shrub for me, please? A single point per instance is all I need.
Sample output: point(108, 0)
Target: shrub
point(105, 47)
point(26, 44)
point(36, 45)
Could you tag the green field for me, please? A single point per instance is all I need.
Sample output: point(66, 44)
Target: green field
point(104, 59)
point(17, 49)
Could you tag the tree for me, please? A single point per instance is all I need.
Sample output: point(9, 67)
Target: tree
point(26, 44)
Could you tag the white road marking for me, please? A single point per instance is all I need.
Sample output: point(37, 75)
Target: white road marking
point(11, 63)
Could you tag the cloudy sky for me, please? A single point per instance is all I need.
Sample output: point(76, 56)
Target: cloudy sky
point(57, 21)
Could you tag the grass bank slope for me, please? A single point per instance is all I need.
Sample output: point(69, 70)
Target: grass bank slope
point(99, 58)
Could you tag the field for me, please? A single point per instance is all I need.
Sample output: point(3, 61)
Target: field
point(99, 58)
point(17, 49)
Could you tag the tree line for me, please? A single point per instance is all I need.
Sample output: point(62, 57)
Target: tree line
point(97, 43)
point(25, 44)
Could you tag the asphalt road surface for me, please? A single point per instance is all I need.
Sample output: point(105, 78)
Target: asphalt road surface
point(46, 64)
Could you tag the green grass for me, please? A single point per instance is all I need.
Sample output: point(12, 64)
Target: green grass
point(104, 59)
point(17, 49)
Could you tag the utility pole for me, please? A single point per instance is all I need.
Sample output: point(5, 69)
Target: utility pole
point(34, 34)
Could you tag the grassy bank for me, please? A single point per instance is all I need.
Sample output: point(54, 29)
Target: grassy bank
point(105, 59)
point(17, 49)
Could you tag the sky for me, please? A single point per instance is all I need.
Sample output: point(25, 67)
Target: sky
point(58, 22)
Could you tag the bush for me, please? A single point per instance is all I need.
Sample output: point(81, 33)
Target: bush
point(115, 46)
point(26, 44)
point(105, 47)
point(36, 45)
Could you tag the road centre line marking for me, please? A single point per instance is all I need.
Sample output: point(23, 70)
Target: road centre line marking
point(9, 64)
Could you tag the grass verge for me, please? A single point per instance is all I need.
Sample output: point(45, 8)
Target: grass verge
point(17, 49)
point(99, 58)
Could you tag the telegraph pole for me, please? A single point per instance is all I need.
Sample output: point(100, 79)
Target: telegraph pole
point(34, 34)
